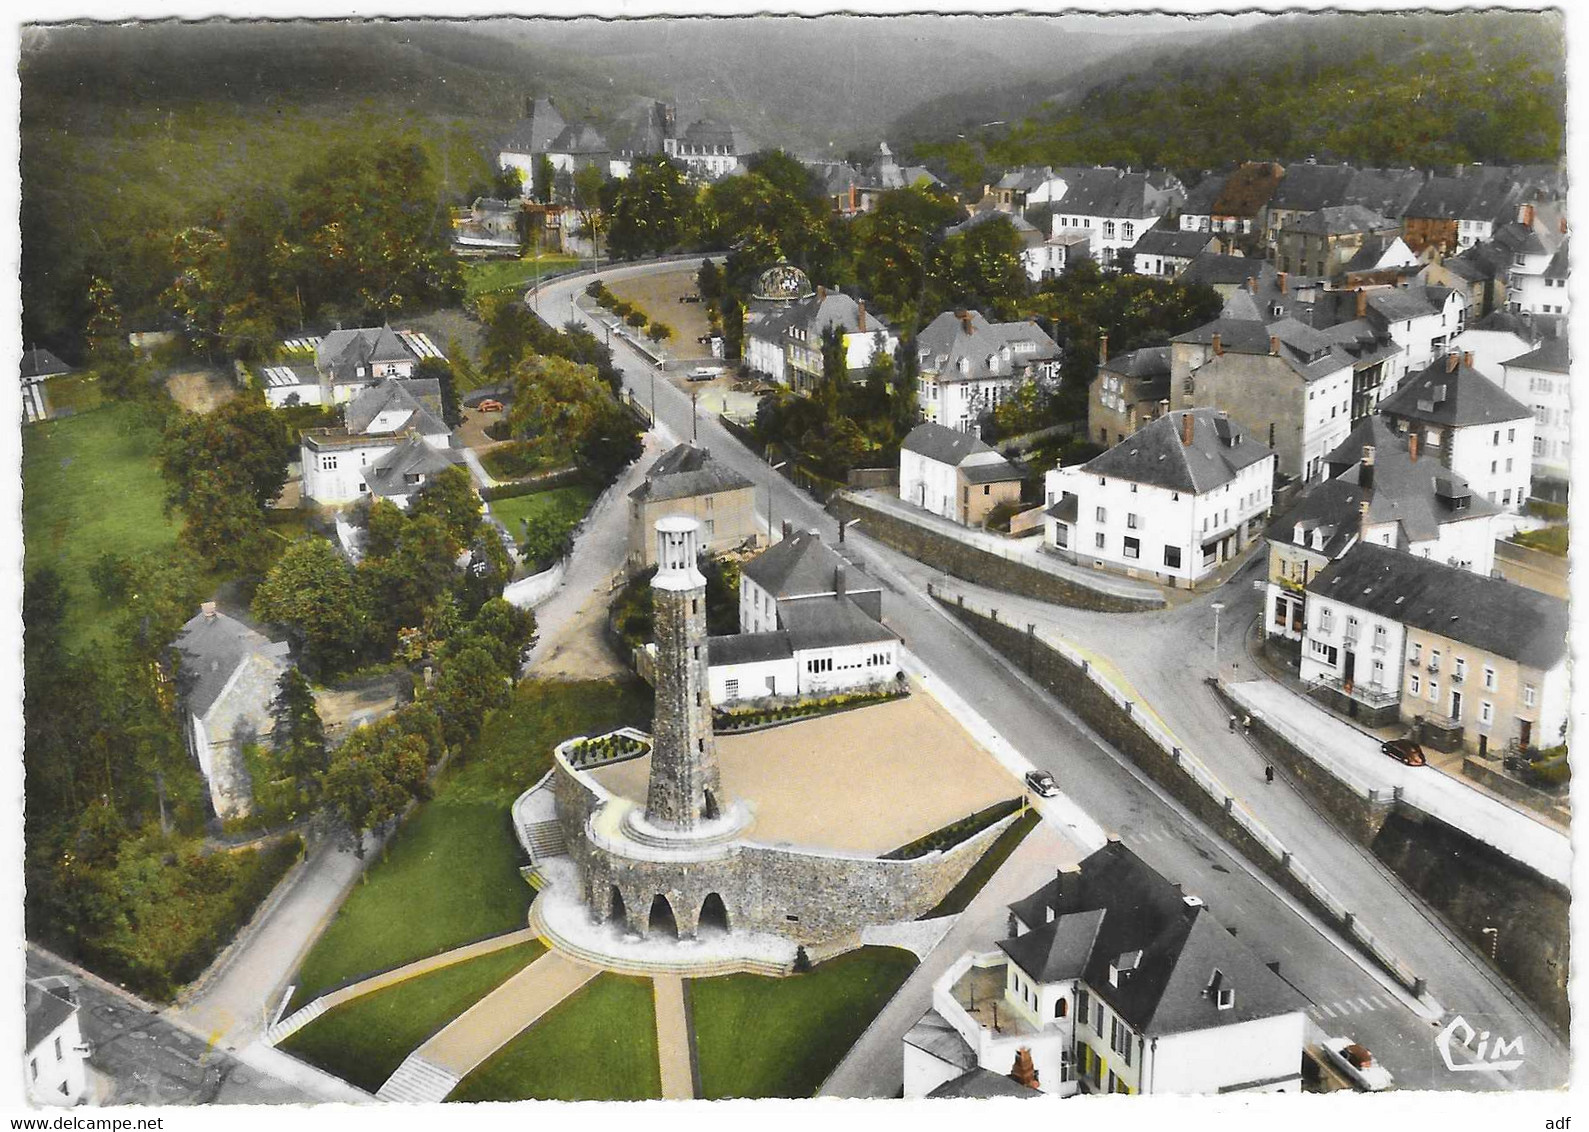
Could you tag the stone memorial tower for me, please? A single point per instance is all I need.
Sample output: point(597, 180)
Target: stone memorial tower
point(685, 791)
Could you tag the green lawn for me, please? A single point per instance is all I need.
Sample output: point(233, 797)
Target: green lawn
point(364, 1041)
point(598, 1045)
point(73, 393)
point(482, 278)
point(90, 484)
point(451, 875)
point(764, 1037)
point(1552, 540)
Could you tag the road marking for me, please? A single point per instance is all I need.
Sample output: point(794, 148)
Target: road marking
point(1378, 1005)
point(1349, 1005)
point(1364, 1001)
point(1328, 1012)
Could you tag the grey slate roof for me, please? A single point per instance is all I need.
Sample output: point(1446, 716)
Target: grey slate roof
point(341, 352)
point(1458, 397)
point(1213, 268)
point(1550, 357)
point(1025, 229)
point(1181, 945)
point(814, 314)
point(578, 140)
point(212, 647)
point(38, 363)
point(994, 471)
point(1308, 188)
point(803, 564)
point(1507, 322)
point(47, 1008)
point(1155, 455)
point(1173, 243)
point(1058, 950)
point(1148, 362)
point(1400, 304)
point(943, 445)
point(1107, 192)
point(748, 648)
point(830, 622)
point(934, 1035)
point(944, 341)
point(982, 1083)
point(685, 472)
point(1492, 614)
point(1560, 265)
point(1485, 194)
point(397, 395)
point(412, 457)
point(1338, 220)
point(534, 132)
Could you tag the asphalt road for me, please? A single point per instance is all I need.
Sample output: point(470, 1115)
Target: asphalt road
point(1347, 994)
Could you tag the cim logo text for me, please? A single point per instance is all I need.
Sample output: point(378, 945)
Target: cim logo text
point(1459, 1035)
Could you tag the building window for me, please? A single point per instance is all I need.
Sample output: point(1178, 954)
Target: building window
point(1434, 660)
point(1101, 515)
point(1060, 1008)
point(328, 463)
point(1489, 678)
point(1326, 619)
point(1413, 684)
point(1131, 522)
point(1133, 547)
point(1081, 1006)
point(1530, 695)
point(731, 688)
point(1381, 635)
point(1434, 690)
point(1097, 540)
point(1326, 653)
point(1459, 670)
point(1486, 712)
point(1417, 650)
point(1172, 557)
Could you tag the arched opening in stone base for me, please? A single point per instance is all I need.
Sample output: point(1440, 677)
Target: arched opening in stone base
point(714, 915)
point(662, 918)
point(616, 909)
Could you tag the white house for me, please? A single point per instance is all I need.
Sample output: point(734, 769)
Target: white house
point(393, 422)
point(967, 365)
point(1352, 649)
point(799, 567)
point(1115, 982)
point(1043, 258)
point(1172, 501)
point(1540, 379)
point(709, 150)
point(55, 1059)
point(1420, 319)
point(1471, 425)
point(1496, 339)
point(1165, 252)
point(829, 644)
point(528, 139)
point(228, 674)
point(954, 474)
point(784, 343)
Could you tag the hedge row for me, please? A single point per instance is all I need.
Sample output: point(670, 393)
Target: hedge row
point(564, 477)
point(955, 832)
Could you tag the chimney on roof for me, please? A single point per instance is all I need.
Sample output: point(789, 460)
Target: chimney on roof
point(965, 321)
point(1412, 446)
point(822, 293)
point(840, 581)
point(1451, 361)
point(1164, 408)
point(1365, 476)
point(1186, 429)
point(1284, 278)
point(860, 315)
point(1274, 345)
point(1103, 348)
point(1252, 285)
point(1219, 347)
point(1362, 303)
point(1362, 521)
point(1467, 358)
point(1525, 215)
point(208, 609)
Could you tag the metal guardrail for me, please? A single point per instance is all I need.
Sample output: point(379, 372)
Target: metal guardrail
point(1209, 784)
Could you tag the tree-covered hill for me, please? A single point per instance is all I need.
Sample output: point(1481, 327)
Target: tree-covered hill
point(1375, 89)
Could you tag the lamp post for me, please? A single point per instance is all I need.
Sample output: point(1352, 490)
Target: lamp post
point(1218, 608)
point(772, 470)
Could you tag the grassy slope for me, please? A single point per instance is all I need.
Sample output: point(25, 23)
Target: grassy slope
point(600, 1044)
point(90, 485)
point(365, 1040)
point(483, 278)
point(762, 1037)
point(534, 507)
point(451, 875)
point(980, 873)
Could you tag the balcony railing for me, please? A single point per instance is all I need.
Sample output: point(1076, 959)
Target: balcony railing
point(1370, 694)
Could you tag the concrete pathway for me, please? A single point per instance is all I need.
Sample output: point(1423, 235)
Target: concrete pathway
point(503, 1014)
point(302, 1017)
point(1340, 748)
point(673, 1039)
point(485, 478)
point(875, 1065)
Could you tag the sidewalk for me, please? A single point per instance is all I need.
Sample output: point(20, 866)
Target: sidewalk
point(1331, 742)
point(505, 1013)
point(1027, 551)
point(673, 1038)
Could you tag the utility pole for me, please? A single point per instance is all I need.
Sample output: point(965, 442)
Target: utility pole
point(694, 417)
point(772, 470)
point(1218, 608)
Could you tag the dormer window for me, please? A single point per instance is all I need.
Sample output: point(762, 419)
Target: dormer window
point(1227, 998)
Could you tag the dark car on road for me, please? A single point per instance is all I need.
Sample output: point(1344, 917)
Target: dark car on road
point(1042, 783)
point(1404, 751)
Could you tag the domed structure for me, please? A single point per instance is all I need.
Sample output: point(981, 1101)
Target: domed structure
point(782, 283)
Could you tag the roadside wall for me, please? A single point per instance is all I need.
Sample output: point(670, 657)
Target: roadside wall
point(972, 563)
point(1106, 711)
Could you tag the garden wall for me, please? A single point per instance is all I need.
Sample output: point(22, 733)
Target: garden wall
point(972, 563)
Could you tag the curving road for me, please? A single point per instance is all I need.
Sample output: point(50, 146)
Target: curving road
point(1348, 995)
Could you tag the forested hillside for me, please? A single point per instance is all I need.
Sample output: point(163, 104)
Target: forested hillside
point(1380, 90)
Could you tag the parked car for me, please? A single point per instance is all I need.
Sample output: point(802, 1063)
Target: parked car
point(1042, 783)
point(703, 373)
point(1404, 751)
point(1357, 1064)
point(490, 406)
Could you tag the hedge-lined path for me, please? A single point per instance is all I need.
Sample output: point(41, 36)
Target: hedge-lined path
point(673, 1038)
point(302, 1017)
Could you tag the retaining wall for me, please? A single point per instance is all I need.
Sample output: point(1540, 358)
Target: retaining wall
point(981, 567)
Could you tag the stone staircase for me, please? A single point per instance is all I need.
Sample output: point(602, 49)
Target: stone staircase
point(295, 1021)
point(545, 839)
point(417, 1081)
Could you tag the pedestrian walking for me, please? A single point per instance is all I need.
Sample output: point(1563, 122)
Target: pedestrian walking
point(1269, 775)
point(1233, 725)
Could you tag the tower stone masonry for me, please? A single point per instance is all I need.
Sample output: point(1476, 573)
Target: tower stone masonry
point(685, 788)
